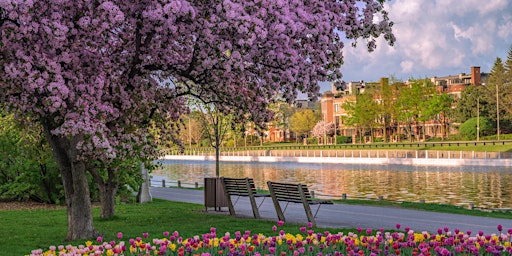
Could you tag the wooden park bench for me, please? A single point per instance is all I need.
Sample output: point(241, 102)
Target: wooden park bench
point(242, 187)
point(294, 193)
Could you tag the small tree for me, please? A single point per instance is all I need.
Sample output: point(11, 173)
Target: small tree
point(363, 113)
point(411, 104)
point(216, 125)
point(437, 108)
point(303, 121)
point(323, 129)
point(193, 130)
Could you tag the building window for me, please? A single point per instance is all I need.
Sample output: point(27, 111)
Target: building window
point(336, 108)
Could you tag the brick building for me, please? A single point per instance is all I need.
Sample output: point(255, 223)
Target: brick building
point(332, 102)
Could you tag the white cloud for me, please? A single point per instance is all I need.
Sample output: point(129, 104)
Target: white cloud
point(407, 66)
point(436, 37)
point(505, 29)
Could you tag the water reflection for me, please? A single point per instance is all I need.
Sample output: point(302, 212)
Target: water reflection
point(483, 186)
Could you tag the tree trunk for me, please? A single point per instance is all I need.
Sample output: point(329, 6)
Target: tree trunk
point(424, 128)
point(410, 131)
point(443, 128)
point(217, 149)
point(107, 199)
point(76, 186)
point(108, 190)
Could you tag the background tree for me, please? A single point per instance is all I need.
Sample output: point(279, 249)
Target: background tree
point(216, 125)
point(323, 129)
point(192, 131)
point(410, 105)
point(282, 113)
point(303, 121)
point(508, 64)
point(387, 112)
point(438, 109)
point(472, 100)
point(363, 113)
point(27, 169)
point(498, 81)
point(95, 74)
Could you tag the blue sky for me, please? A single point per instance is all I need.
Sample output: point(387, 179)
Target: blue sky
point(434, 38)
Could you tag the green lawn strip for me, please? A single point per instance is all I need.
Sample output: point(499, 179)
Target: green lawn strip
point(430, 207)
point(24, 230)
point(395, 146)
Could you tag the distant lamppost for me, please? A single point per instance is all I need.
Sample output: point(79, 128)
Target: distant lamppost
point(335, 131)
point(325, 128)
point(477, 119)
point(497, 112)
point(189, 134)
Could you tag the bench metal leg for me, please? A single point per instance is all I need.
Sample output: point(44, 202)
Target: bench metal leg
point(307, 208)
point(230, 205)
point(279, 211)
point(254, 206)
point(285, 207)
point(263, 200)
point(317, 210)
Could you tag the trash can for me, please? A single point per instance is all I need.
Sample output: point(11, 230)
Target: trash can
point(214, 194)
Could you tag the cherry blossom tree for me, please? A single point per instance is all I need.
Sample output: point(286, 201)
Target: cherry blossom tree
point(97, 74)
point(323, 129)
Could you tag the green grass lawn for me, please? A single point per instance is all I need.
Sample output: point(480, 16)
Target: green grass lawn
point(25, 230)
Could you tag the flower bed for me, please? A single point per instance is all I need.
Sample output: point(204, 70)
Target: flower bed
point(305, 242)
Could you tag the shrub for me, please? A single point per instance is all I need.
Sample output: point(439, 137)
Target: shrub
point(468, 129)
point(312, 140)
point(343, 139)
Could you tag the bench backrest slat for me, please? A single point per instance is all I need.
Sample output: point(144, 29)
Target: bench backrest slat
point(290, 192)
point(238, 186)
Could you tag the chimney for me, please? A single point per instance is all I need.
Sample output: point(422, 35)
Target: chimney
point(475, 76)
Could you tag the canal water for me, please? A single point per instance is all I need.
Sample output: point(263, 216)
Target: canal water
point(486, 187)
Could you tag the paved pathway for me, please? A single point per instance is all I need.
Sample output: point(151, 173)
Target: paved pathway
point(351, 216)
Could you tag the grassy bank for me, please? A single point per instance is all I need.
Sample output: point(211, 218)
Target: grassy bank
point(469, 146)
point(25, 230)
point(444, 208)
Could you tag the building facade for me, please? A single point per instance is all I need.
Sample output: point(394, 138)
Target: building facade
point(332, 103)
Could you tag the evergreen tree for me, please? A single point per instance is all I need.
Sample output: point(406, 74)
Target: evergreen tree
point(472, 103)
point(499, 87)
point(508, 65)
